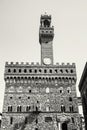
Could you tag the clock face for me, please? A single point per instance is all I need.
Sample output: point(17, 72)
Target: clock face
point(47, 61)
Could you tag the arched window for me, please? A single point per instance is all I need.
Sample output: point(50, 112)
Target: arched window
point(61, 70)
point(71, 109)
point(66, 71)
point(55, 70)
point(50, 71)
point(9, 108)
point(39, 70)
point(62, 108)
point(28, 108)
point(9, 70)
point(19, 109)
point(25, 70)
point(71, 71)
point(45, 71)
point(14, 70)
point(47, 90)
point(26, 120)
point(30, 70)
point(35, 71)
point(19, 70)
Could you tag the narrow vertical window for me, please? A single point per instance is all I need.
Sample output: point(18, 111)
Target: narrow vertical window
point(28, 108)
point(11, 120)
point(36, 120)
point(19, 109)
point(72, 120)
point(71, 108)
point(9, 108)
point(26, 120)
point(63, 108)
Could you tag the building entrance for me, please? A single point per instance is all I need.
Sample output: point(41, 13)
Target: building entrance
point(64, 126)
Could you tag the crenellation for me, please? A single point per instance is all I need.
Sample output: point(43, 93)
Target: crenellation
point(63, 64)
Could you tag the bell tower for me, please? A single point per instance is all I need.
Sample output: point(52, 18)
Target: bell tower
point(46, 34)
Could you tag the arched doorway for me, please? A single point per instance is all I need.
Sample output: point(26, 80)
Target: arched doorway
point(64, 126)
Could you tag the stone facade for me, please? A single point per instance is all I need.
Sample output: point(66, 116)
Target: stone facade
point(83, 91)
point(41, 96)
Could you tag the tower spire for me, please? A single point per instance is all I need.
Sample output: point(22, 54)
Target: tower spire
point(46, 34)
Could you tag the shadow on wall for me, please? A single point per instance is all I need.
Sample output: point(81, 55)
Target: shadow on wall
point(28, 120)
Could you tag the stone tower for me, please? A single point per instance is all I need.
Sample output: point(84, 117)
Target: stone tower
point(41, 96)
point(46, 34)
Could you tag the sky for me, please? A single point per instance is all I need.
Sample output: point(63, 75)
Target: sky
point(19, 33)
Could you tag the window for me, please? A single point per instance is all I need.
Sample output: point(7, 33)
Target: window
point(36, 108)
point(14, 70)
point(70, 99)
point(61, 71)
point(71, 108)
point(19, 109)
point(39, 70)
point(55, 70)
point(26, 120)
point(19, 70)
point(71, 71)
point(25, 70)
point(50, 71)
point(60, 91)
point(47, 90)
point(36, 120)
point(72, 120)
point(29, 91)
point(66, 71)
point(9, 108)
point(62, 108)
point(48, 119)
point(35, 71)
point(37, 101)
point(11, 120)
point(9, 70)
point(69, 90)
point(36, 128)
point(30, 70)
point(28, 108)
point(45, 71)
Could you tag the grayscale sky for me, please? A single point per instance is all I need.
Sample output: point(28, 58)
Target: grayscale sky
point(19, 32)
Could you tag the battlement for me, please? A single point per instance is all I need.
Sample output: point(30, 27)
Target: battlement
point(38, 64)
point(45, 16)
point(21, 63)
